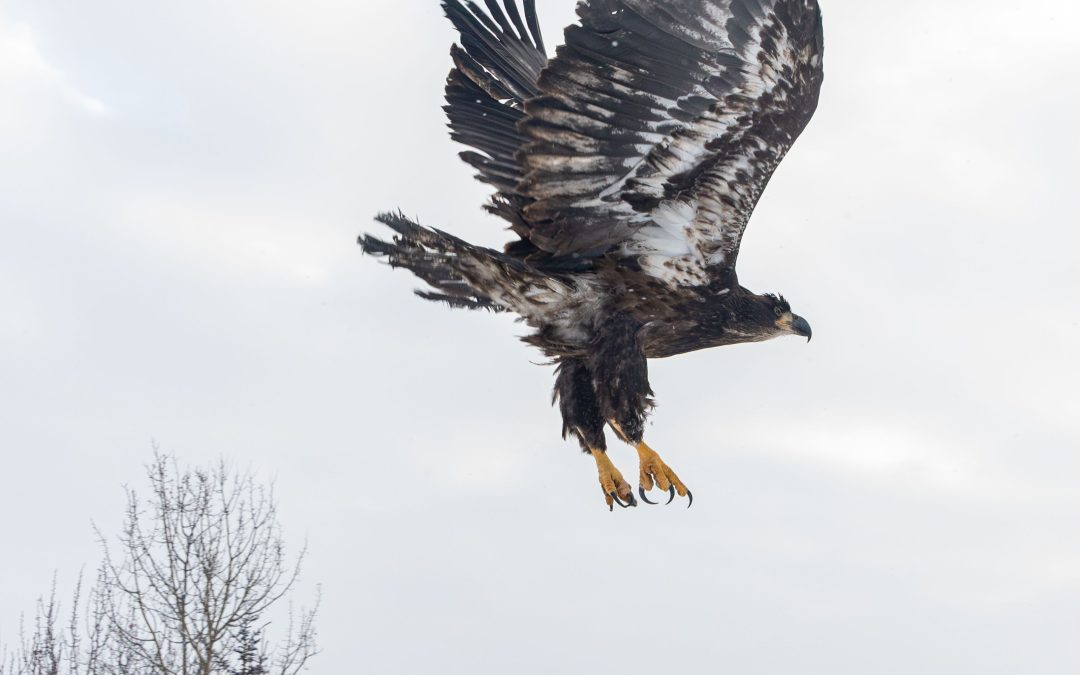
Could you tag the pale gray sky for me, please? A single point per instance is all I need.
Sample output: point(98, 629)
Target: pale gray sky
point(183, 183)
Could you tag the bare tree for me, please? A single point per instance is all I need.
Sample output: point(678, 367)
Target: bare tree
point(200, 563)
point(55, 648)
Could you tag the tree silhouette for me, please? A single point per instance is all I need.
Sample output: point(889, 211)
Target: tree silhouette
point(199, 565)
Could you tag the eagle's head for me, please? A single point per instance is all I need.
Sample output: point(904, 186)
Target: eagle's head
point(775, 310)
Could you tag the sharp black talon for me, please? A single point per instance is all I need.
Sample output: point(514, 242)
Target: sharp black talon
point(641, 491)
point(633, 502)
point(618, 501)
point(671, 491)
point(690, 496)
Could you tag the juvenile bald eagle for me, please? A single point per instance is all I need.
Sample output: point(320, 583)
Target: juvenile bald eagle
point(627, 166)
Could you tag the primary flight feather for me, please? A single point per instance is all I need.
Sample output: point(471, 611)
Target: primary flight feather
point(628, 167)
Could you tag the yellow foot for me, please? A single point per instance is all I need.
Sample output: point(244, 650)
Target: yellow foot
point(653, 470)
point(616, 490)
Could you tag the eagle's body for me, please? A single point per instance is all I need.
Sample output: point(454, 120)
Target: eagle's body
point(628, 166)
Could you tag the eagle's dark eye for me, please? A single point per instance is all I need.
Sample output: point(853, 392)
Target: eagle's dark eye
point(778, 310)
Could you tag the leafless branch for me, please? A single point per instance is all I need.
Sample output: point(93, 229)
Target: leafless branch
point(186, 588)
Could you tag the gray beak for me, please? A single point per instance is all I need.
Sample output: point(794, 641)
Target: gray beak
point(801, 327)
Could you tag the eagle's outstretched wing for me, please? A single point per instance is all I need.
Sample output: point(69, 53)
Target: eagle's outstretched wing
point(649, 136)
point(658, 125)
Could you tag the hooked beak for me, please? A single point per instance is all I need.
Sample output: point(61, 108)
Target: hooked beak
point(799, 326)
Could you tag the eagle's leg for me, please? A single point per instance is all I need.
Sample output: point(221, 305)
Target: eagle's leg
point(616, 489)
point(581, 416)
point(654, 470)
point(621, 379)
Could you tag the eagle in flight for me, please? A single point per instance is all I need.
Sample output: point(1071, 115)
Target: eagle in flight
point(627, 167)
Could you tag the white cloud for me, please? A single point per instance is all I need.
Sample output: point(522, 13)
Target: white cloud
point(25, 70)
point(214, 237)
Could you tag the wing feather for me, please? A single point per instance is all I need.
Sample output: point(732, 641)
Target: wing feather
point(658, 124)
point(495, 71)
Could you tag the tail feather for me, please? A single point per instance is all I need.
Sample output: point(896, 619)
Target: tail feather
point(459, 302)
point(464, 275)
point(426, 253)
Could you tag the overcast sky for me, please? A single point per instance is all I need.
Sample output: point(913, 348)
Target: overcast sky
point(182, 186)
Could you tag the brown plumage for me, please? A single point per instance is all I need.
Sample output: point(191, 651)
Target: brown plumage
point(627, 166)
